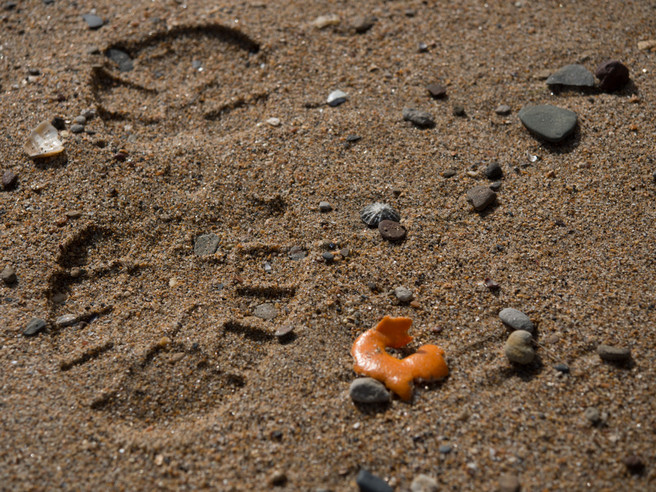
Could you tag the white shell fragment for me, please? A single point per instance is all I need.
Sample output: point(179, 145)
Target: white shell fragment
point(43, 141)
point(335, 98)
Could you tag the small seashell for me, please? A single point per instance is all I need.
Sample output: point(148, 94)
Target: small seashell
point(43, 141)
point(373, 214)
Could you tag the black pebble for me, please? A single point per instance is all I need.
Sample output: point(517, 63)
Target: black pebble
point(371, 483)
point(560, 367)
point(58, 122)
point(493, 171)
point(121, 58)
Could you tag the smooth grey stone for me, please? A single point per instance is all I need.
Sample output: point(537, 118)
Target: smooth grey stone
point(335, 98)
point(34, 326)
point(77, 128)
point(369, 390)
point(516, 320)
point(519, 347)
point(424, 483)
point(65, 320)
point(8, 275)
point(572, 76)
point(445, 448)
point(371, 483)
point(613, 354)
point(419, 118)
point(121, 58)
point(266, 311)
point(207, 244)
point(93, 21)
point(549, 122)
point(325, 207)
point(403, 294)
point(502, 110)
point(481, 197)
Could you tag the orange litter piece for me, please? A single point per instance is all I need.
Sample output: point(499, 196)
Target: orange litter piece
point(371, 359)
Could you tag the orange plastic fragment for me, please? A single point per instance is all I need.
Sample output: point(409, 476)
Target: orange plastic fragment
point(371, 359)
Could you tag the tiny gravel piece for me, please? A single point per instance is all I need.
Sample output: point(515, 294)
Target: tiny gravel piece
point(420, 119)
point(493, 171)
point(509, 483)
point(93, 21)
point(634, 464)
point(612, 75)
point(34, 326)
point(9, 179)
point(437, 91)
point(373, 214)
point(121, 58)
point(391, 230)
point(571, 76)
point(502, 110)
point(549, 122)
point(424, 483)
point(609, 353)
point(8, 275)
point(369, 390)
point(362, 24)
point(65, 320)
point(325, 207)
point(519, 347)
point(403, 294)
point(266, 311)
point(335, 98)
point(207, 244)
point(593, 415)
point(481, 197)
point(371, 483)
point(561, 367)
point(516, 320)
point(77, 128)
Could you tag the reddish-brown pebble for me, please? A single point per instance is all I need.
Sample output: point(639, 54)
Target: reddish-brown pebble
point(391, 230)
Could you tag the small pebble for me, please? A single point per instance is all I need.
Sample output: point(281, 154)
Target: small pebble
point(571, 76)
point(80, 120)
point(9, 179)
point(328, 257)
point(422, 48)
point(273, 122)
point(449, 173)
point(34, 326)
point(266, 311)
point(516, 320)
point(502, 110)
point(612, 75)
point(373, 214)
point(634, 464)
point(561, 367)
point(362, 24)
point(296, 253)
point(88, 114)
point(548, 122)
point(121, 58)
point(93, 21)
point(325, 207)
point(369, 390)
point(458, 110)
point(481, 197)
point(496, 185)
point(65, 320)
point(493, 171)
point(403, 294)
point(445, 448)
point(77, 128)
point(335, 98)
point(284, 333)
point(353, 138)
point(371, 483)
point(519, 347)
point(420, 119)
point(609, 353)
point(278, 478)
point(593, 415)
point(8, 275)
point(436, 90)
point(424, 483)
point(391, 230)
point(59, 123)
point(324, 21)
point(207, 244)
point(509, 483)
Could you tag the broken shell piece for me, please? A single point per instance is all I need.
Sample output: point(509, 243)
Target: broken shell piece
point(43, 141)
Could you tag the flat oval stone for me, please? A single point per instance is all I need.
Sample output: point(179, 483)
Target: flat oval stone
point(369, 390)
point(419, 118)
point(516, 320)
point(207, 244)
point(549, 122)
point(519, 347)
point(34, 326)
point(266, 311)
point(613, 354)
point(481, 197)
point(391, 230)
point(571, 76)
point(93, 21)
point(438, 91)
point(371, 483)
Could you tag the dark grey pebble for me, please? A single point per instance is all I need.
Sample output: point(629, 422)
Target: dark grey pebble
point(34, 72)
point(549, 122)
point(449, 173)
point(77, 128)
point(266, 311)
point(445, 448)
point(58, 122)
point(502, 110)
point(325, 207)
point(207, 244)
point(373, 214)
point(80, 120)
point(438, 91)
point(8, 275)
point(419, 118)
point(363, 23)
point(495, 185)
point(371, 483)
point(121, 58)
point(93, 21)
point(571, 76)
point(481, 197)
point(561, 367)
point(634, 464)
point(493, 171)
point(353, 138)
point(369, 390)
point(34, 326)
point(89, 114)
point(328, 257)
point(609, 353)
point(516, 320)
point(458, 110)
point(612, 75)
point(9, 179)
point(403, 294)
